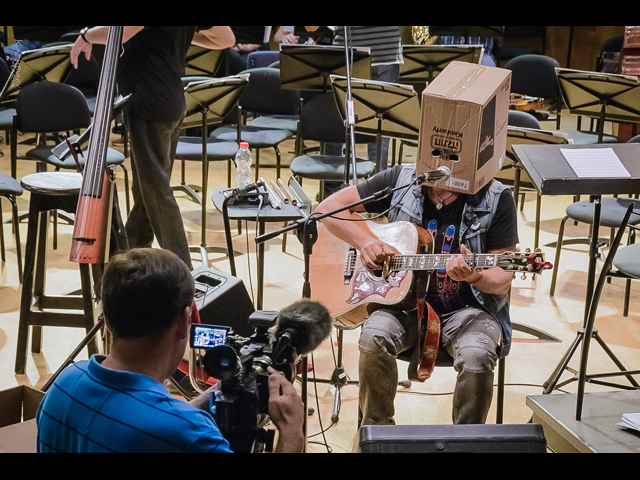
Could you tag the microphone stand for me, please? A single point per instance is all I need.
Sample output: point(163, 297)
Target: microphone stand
point(307, 233)
point(350, 121)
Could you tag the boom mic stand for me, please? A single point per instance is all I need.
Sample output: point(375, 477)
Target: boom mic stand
point(350, 121)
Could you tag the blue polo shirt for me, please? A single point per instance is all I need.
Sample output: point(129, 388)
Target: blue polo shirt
point(91, 409)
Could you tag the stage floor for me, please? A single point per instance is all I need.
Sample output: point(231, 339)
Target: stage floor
point(597, 432)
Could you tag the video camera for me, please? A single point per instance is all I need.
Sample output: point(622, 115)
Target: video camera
point(240, 365)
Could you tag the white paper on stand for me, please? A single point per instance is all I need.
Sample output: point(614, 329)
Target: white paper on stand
point(595, 163)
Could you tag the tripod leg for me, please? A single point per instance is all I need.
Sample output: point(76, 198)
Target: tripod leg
point(551, 383)
point(615, 360)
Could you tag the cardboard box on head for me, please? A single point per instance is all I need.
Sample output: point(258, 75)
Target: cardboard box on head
point(465, 113)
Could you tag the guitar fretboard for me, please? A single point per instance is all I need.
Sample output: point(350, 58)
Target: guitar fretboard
point(400, 263)
point(425, 262)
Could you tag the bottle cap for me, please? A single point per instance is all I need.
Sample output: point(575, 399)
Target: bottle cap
point(244, 145)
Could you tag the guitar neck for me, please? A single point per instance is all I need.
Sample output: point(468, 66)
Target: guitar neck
point(401, 263)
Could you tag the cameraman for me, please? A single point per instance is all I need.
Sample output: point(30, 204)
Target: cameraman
point(118, 403)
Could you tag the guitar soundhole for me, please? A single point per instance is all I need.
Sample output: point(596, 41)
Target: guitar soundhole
point(366, 285)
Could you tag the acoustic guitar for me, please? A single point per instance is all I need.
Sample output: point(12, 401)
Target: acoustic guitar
point(525, 103)
point(352, 293)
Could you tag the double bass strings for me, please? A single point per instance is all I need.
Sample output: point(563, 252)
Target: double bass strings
point(96, 162)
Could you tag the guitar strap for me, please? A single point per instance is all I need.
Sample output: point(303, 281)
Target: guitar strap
point(424, 357)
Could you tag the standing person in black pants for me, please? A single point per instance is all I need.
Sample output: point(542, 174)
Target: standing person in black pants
point(151, 69)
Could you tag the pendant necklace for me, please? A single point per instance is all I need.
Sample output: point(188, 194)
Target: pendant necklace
point(440, 205)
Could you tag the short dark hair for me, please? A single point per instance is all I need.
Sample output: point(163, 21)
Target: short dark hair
point(144, 290)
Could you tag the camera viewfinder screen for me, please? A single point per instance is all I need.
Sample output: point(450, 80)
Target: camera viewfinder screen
point(206, 336)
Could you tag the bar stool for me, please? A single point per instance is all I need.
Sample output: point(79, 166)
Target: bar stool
point(50, 191)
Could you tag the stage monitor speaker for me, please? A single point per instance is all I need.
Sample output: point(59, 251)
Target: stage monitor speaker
point(452, 439)
point(223, 300)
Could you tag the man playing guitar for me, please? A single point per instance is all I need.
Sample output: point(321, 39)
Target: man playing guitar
point(473, 305)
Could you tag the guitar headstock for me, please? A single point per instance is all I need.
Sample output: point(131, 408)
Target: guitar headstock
point(529, 262)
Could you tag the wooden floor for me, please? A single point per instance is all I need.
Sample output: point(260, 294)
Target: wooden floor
point(528, 366)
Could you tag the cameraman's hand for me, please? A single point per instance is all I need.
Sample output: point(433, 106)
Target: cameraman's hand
point(287, 413)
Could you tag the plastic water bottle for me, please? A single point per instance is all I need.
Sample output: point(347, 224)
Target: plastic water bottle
point(244, 160)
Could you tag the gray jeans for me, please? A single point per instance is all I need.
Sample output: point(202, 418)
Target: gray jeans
point(155, 213)
point(470, 336)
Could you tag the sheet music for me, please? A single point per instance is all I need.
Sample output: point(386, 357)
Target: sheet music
point(630, 421)
point(595, 163)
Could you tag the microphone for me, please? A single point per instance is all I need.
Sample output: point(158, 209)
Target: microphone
point(439, 174)
point(239, 192)
point(304, 325)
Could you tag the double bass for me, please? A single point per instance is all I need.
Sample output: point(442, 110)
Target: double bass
point(97, 209)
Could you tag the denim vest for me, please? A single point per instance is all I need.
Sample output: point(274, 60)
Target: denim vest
point(476, 220)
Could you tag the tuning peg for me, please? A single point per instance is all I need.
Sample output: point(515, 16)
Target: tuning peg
point(524, 276)
point(528, 250)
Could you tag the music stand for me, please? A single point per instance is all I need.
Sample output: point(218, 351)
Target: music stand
point(208, 102)
point(423, 63)
point(606, 97)
point(305, 67)
point(382, 109)
point(50, 64)
point(203, 62)
point(552, 175)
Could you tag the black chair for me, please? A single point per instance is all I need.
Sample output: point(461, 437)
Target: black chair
point(320, 121)
point(609, 59)
point(535, 76)
point(263, 96)
point(86, 78)
point(10, 189)
point(612, 214)
point(524, 128)
point(6, 113)
point(52, 108)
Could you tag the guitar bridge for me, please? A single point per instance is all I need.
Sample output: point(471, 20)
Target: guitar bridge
point(350, 265)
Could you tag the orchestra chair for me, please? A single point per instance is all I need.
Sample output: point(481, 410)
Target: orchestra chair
point(10, 189)
point(320, 121)
point(86, 78)
point(52, 108)
point(262, 96)
point(6, 113)
point(535, 76)
point(262, 58)
point(613, 212)
point(619, 263)
point(517, 119)
point(289, 121)
point(524, 128)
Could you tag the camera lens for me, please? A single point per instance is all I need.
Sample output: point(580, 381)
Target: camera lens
point(222, 363)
